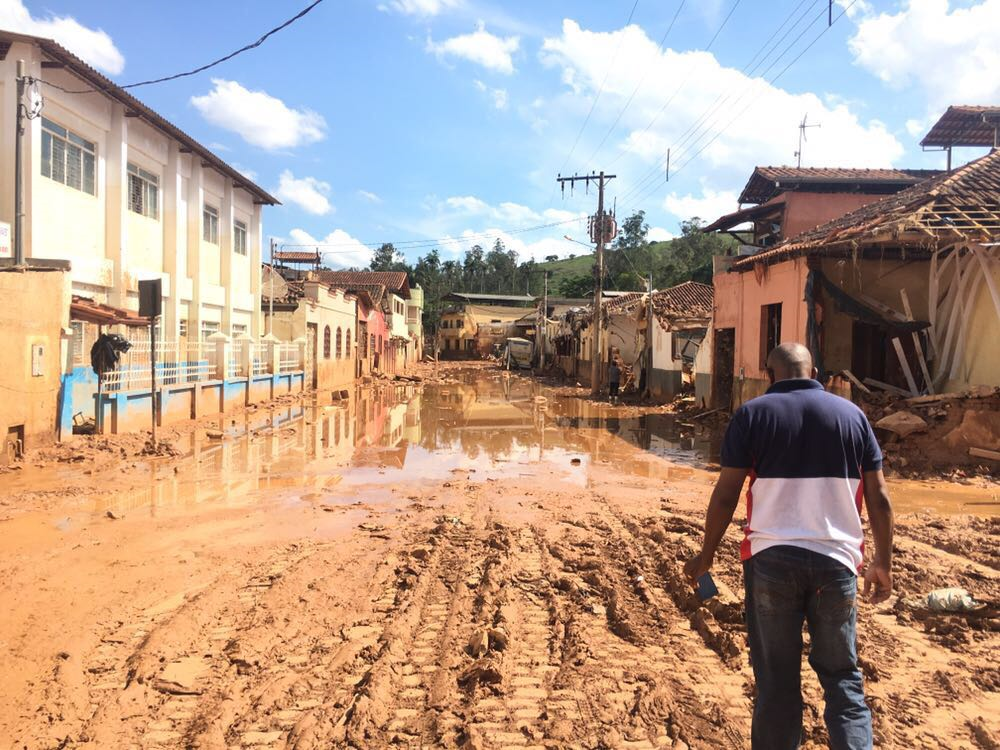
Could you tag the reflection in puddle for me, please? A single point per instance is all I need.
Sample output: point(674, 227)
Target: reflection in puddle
point(489, 428)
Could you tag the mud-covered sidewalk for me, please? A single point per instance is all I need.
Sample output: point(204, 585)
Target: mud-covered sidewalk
point(472, 562)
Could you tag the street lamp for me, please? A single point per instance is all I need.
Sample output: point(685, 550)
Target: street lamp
point(567, 237)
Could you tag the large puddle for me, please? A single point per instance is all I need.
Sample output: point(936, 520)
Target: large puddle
point(487, 428)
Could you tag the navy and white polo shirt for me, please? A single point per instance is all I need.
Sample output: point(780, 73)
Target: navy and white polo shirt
point(806, 450)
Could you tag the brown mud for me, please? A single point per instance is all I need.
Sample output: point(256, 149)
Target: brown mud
point(454, 565)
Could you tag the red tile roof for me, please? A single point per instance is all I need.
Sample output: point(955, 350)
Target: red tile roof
point(767, 182)
point(963, 205)
point(965, 125)
point(297, 256)
point(394, 281)
point(89, 311)
point(691, 299)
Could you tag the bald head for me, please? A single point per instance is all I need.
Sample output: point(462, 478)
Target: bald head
point(790, 361)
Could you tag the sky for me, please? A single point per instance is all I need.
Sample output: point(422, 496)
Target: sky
point(444, 123)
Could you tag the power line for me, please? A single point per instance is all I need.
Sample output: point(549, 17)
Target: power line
point(752, 101)
point(202, 68)
point(419, 244)
point(651, 174)
point(659, 48)
point(593, 102)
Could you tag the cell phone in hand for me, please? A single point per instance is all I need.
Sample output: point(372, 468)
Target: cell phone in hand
point(706, 587)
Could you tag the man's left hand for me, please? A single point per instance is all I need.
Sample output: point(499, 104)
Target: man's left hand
point(697, 566)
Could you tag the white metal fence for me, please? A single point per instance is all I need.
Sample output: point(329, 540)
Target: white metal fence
point(288, 358)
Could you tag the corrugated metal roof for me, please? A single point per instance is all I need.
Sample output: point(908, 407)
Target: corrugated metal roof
point(81, 69)
point(963, 205)
point(475, 297)
point(767, 182)
point(965, 125)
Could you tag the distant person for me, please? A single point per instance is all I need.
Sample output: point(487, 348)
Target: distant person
point(811, 455)
point(614, 380)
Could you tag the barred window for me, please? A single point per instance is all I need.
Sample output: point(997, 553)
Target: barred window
point(210, 224)
point(183, 327)
point(347, 346)
point(239, 238)
point(143, 192)
point(326, 342)
point(340, 350)
point(208, 327)
point(67, 158)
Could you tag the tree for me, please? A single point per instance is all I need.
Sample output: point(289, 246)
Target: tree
point(577, 286)
point(387, 258)
point(629, 260)
point(551, 258)
point(689, 257)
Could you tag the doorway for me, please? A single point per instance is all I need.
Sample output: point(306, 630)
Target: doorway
point(723, 362)
point(312, 336)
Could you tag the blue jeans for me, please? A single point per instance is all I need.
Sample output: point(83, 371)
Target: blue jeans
point(785, 586)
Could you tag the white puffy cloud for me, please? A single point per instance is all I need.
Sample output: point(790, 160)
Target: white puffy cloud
point(259, 118)
point(468, 203)
point(499, 96)
point(92, 45)
point(756, 124)
point(710, 205)
point(659, 234)
point(420, 7)
point(340, 250)
point(480, 47)
point(952, 53)
point(307, 193)
point(369, 196)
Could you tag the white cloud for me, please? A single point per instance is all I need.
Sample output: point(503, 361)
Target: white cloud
point(499, 98)
point(855, 8)
point(952, 53)
point(248, 173)
point(659, 234)
point(709, 206)
point(307, 193)
point(370, 197)
point(342, 251)
point(259, 118)
point(916, 127)
point(468, 203)
point(479, 85)
point(420, 7)
point(756, 124)
point(481, 47)
point(92, 45)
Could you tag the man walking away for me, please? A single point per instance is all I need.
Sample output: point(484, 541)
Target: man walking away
point(614, 380)
point(810, 456)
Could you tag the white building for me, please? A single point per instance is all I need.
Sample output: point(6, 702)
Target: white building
point(125, 195)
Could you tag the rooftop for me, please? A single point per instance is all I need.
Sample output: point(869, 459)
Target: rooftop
point(134, 108)
point(396, 282)
point(767, 182)
point(297, 256)
point(958, 206)
point(477, 297)
point(965, 125)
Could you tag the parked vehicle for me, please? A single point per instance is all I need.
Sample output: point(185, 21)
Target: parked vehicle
point(519, 353)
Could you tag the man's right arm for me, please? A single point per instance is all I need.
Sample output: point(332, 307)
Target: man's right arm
point(878, 575)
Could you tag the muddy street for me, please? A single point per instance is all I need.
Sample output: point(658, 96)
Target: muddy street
point(478, 562)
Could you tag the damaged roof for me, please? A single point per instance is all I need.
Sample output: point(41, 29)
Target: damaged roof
point(753, 213)
point(767, 182)
point(691, 299)
point(963, 205)
point(965, 125)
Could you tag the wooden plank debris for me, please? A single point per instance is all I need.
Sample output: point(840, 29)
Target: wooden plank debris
point(916, 343)
point(898, 346)
point(985, 453)
point(886, 387)
point(858, 384)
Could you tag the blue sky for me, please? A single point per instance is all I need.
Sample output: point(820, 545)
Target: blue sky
point(416, 120)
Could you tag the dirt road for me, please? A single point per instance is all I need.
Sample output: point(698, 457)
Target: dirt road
point(478, 565)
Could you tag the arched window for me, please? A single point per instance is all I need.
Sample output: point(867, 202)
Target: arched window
point(347, 346)
point(326, 343)
point(340, 344)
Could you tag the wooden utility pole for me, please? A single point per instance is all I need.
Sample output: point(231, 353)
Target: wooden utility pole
point(599, 234)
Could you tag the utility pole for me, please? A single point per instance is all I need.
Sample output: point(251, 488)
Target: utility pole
point(543, 323)
point(649, 335)
point(18, 177)
point(599, 234)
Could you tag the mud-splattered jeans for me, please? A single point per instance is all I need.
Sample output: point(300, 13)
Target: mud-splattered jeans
point(785, 586)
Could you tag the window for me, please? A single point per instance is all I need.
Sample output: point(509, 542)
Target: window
point(68, 158)
point(373, 344)
point(143, 192)
point(340, 344)
point(326, 342)
point(239, 238)
point(239, 329)
point(347, 345)
point(183, 327)
point(770, 330)
point(210, 224)
point(77, 342)
point(208, 327)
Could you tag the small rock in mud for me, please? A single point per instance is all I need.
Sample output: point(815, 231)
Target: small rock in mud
point(479, 643)
point(480, 673)
point(112, 515)
point(575, 461)
point(498, 639)
point(419, 553)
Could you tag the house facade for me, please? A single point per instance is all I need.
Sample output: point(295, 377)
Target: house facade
point(125, 195)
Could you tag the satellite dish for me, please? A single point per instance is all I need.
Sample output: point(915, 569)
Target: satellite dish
point(272, 286)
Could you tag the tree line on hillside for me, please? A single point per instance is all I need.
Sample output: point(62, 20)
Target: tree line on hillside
point(628, 262)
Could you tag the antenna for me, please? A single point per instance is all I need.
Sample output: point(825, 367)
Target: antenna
point(802, 135)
